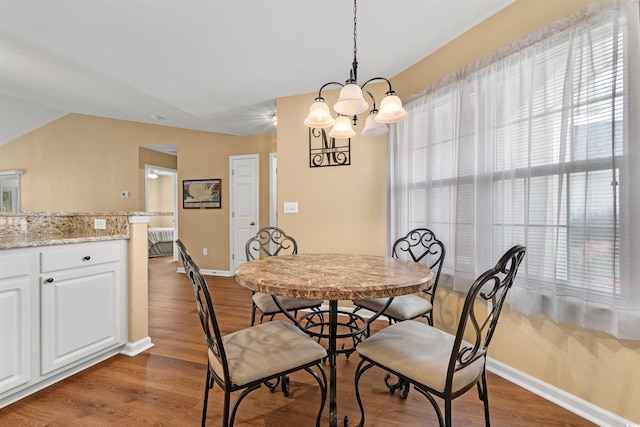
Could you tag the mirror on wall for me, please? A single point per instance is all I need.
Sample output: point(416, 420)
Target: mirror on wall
point(10, 190)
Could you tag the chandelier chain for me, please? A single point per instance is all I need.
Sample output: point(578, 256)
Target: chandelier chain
point(355, 41)
point(355, 33)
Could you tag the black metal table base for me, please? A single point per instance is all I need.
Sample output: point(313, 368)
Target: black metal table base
point(353, 327)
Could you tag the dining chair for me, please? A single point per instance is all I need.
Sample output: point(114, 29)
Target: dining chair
point(438, 363)
point(272, 241)
point(246, 359)
point(419, 245)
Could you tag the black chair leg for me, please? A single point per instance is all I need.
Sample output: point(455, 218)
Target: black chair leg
point(447, 413)
point(485, 399)
point(253, 314)
point(206, 397)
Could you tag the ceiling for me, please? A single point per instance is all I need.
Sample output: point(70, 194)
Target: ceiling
point(211, 65)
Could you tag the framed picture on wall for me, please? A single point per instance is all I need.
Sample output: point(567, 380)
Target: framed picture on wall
point(201, 194)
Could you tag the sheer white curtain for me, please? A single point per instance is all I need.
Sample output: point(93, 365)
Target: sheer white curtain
point(538, 144)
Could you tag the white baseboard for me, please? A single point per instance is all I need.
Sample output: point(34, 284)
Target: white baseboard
point(572, 403)
point(206, 272)
point(135, 348)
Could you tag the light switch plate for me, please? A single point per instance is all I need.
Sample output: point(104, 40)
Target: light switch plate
point(290, 207)
point(99, 224)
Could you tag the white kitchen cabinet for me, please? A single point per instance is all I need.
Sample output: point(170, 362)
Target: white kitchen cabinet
point(80, 314)
point(81, 302)
point(63, 308)
point(15, 319)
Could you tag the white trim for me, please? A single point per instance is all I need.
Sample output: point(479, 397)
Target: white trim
point(139, 219)
point(135, 348)
point(12, 172)
point(206, 272)
point(553, 394)
point(273, 189)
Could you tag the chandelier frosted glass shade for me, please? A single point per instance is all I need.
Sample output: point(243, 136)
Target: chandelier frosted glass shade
point(372, 127)
point(319, 115)
point(351, 101)
point(342, 128)
point(391, 110)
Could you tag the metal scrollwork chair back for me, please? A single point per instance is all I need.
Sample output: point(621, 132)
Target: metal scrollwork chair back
point(456, 362)
point(246, 359)
point(419, 245)
point(272, 241)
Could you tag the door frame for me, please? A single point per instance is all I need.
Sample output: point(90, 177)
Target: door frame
point(273, 189)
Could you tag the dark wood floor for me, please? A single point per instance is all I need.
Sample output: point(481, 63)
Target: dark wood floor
point(163, 386)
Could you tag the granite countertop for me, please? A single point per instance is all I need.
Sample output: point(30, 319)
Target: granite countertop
point(32, 229)
point(36, 241)
point(93, 214)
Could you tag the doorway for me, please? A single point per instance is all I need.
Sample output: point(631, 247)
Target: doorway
point(161, 195)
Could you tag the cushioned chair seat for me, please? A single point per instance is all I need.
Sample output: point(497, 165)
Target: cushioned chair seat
point(266, 304)
point(266, 350)
point(420, 352)
point(404, 307)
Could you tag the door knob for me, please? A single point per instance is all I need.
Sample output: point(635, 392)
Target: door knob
point(252, 223)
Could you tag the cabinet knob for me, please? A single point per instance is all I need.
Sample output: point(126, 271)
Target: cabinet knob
point(49, 280)
point(87, 258)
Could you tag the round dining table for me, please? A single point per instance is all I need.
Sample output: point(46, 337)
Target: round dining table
point(334, 277)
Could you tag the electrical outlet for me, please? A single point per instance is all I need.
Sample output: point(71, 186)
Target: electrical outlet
point(290, 207)
point(204, 251)
point(125, 194)
point(99, 224)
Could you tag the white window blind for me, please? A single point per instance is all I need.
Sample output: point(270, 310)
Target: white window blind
point(536, 145)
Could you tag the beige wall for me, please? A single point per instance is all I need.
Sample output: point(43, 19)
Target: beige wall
point(160, 199)
point(342, 209)
point(207, 157)
point(155, 158)
point(82, 163)
point(77, 163)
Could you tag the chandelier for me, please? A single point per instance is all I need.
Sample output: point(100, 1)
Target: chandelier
point(351, 103)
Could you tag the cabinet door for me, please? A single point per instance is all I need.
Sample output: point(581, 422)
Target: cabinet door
point(15, 332)
point(81, 313)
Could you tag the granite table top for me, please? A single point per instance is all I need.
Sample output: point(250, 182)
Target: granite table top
point(334, 276)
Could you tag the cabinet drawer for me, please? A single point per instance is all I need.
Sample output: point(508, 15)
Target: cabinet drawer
point(78, 256)
point(14, 265)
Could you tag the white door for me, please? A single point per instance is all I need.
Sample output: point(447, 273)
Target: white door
point(244, 200)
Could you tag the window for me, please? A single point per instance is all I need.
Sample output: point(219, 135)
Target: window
point(532, 146)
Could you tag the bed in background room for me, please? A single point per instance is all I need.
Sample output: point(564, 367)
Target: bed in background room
point(160, 241)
